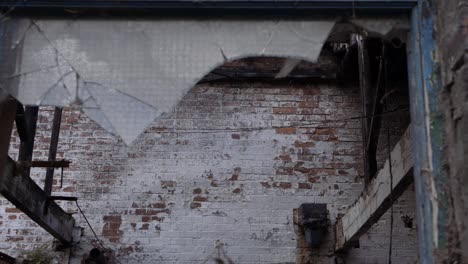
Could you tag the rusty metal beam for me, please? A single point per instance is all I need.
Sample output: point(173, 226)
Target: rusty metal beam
point(20, 189)
point(27, 196)
point(391, 181)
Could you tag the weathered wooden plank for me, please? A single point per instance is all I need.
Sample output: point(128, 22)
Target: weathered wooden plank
point(25, 194)
point(379, 195)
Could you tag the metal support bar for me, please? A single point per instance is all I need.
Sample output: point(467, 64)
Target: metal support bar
point(63, 198)
point(57, 198)
point(364, 83)
point(375, 120)
point(43, 164)
point(54, 138)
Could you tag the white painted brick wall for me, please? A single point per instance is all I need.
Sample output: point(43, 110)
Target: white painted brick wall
point(193, 179)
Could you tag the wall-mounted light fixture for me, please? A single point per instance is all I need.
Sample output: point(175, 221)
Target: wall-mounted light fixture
point(313, 220)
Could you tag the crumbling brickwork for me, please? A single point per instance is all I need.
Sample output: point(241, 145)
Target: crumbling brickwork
point(452, 45)
point(226, 167)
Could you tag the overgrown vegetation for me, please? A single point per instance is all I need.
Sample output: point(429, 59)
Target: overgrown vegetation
point(40, 255)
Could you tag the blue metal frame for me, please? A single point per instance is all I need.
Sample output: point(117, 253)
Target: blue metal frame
point(426, 130)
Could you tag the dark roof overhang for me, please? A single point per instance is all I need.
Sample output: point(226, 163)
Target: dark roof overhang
point(212, 8)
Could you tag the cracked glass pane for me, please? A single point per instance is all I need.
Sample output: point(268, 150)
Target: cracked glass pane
point(125, 74)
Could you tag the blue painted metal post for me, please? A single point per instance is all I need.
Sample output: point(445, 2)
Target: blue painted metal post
point(426, 130)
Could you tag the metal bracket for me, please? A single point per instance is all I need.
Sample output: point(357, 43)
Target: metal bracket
point(23, 165)
point(56, 198)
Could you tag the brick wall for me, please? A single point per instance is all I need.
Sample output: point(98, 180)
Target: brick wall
point(452, 57)
point(226, 167)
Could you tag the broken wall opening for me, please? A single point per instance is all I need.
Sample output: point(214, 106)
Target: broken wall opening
point(112, 220)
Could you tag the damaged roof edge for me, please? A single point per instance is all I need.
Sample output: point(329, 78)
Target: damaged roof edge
point(229, 7)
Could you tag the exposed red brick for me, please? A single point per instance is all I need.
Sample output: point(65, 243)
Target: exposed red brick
point(111, 232)
point(158, 205)
point(14, 238)
point(265, 184)
point(304, 185)
point(151, 211)
point(112, 218)
point(311, 91)
point(286, 130)
point(200, 199)
point(12, 210)
point(343, 172)
point(314, 171)
point(235, 136)
point(68, 189)
point(308, 144)
point(111, 226)
point(282, 185)
point(285, 157)
point(157, 218)
point(114, 239)
point(234, 177)
point(197, 191)
point(325, 131)
point(308, 104)
point(285, 171)
point(237, 190)
point(313, 179)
